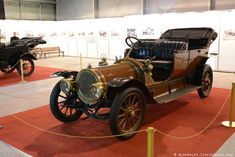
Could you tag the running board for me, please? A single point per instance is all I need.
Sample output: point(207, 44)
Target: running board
point(174, 95)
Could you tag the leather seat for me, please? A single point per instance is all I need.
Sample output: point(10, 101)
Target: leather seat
point(165, 50)
point(161, 50)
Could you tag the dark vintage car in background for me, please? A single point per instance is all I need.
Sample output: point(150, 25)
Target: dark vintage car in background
point(153, 70)
point(10, 55)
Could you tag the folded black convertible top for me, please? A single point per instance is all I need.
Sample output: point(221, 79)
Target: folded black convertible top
point(190, 33)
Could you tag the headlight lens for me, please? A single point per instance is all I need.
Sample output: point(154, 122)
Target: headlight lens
point(97, 90)
point(65, 86)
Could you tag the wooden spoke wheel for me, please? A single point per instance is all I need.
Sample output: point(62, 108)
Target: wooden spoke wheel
point(206, 82)
point(28, 67)
point(127, 112)
point(64, 107)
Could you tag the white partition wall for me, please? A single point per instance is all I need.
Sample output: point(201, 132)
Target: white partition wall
point(95, 37)
point(227, 42)
point(81, 29)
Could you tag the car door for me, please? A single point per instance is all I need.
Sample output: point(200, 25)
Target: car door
point(181, 61)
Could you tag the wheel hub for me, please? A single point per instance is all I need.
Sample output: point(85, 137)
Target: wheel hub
point(24, 66)
point(131, 112)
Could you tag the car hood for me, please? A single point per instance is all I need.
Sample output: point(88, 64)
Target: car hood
point(127, 68)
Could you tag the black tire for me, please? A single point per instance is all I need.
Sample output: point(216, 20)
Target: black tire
point(206, 82)
point(60, 109)
point(8, 70)
point(28, 67)
point(122, 112)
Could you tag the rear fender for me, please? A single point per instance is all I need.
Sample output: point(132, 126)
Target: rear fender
point(119, 84)
point(65, 74)
point(28, 55)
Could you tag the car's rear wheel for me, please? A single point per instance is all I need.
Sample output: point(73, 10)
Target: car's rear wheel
point(206, 82)
point(127, 113)
point(28, 66)
point(63, 106)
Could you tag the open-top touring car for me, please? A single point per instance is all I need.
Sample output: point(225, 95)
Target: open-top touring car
point(153, 70)
point(10, 55)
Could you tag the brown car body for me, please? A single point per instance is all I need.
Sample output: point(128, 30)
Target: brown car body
point(153, 70)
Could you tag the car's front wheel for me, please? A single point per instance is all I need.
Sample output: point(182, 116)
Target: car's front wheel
point(63, 106)
point(127, 112)
point(28, 66)
point(206, 82)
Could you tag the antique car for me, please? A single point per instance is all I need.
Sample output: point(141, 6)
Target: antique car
point(10, 55)
point(153, 70)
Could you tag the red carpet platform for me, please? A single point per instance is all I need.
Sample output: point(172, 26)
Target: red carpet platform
point(40, 73)
point(183, 117)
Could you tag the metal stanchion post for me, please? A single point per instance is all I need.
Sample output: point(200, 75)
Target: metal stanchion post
point(22, 71)
point(231, 123)
point(150, 145)
point(80, 61)
point(1, 126)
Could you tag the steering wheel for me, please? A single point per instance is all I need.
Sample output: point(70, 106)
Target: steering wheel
point(134, 42)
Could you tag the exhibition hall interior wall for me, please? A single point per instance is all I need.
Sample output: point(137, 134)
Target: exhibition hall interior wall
point(93, 37)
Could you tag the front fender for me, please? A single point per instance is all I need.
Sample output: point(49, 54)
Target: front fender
point(65, 74)
point(119, 84)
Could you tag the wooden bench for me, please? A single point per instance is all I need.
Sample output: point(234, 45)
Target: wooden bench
point(48, 50)
point(38, 51)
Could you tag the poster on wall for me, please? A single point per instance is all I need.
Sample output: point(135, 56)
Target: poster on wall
point(91, 39)
point(91, 45)
point(41, 34)
point(82, 43)
point(131, 32)
point(229, 34)
point(81, 35)
point(114, 34)
point(103, 34)
point(148, 31)
point(103, 44)
point(28, 33)
point(72, 44)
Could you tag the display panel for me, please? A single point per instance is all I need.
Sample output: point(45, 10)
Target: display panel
point(227, 42)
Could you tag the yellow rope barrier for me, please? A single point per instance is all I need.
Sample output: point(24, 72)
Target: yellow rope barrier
point(200, 132)
point(73, 136)
point(157, 130)
point(150, 130)
point(231, 123)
